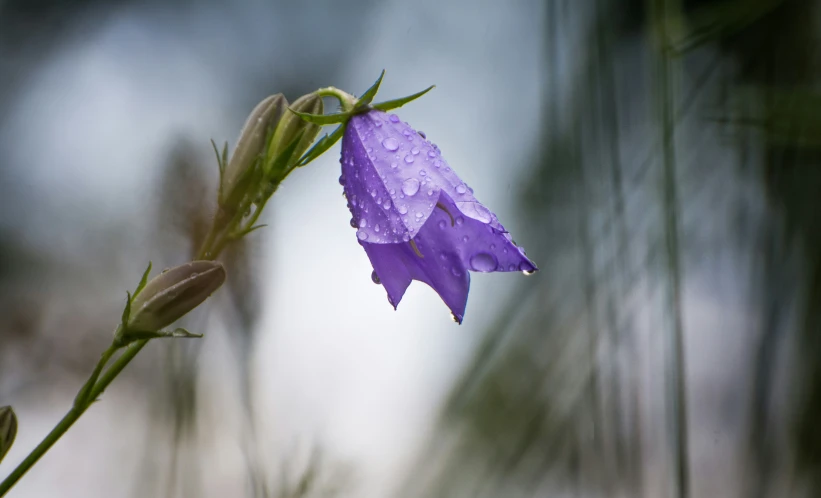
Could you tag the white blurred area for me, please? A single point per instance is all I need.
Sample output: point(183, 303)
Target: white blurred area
point(334, 364)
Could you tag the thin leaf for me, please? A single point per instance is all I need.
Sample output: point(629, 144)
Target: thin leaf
point(143, 280)
point(323, 119)
point(127, 310)
point(393, 104)
point(370, 93)
point(220, 163)
point(321, 146)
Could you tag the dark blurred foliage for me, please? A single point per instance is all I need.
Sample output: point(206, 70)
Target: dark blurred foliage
point(554, 403)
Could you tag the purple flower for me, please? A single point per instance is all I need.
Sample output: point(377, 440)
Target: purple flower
point(415, 218)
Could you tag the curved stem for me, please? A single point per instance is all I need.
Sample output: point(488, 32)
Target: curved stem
point(346, 100)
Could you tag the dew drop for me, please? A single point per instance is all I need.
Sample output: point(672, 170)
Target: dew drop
point(437, 163)
point(430, 192)
point(393, 192)
point(456, 272)
point(422, 134)
point(375, 278)
point(394, 165)
point(386, 205)
point(342, 179)
point(465, 238)
point(410, 186)
point(422, 172)
point(431, 154)
point(492, 247)
point(403, 210)
point(363, 223)
point(442, 224)
point(394, 118)
point(527, 268)
point(409, 158)
point(415, 151)
point(460, 189)
point(483, 262)
point(405, 237)
point(459, 220)
point(390, 144)
point(454, 318)
point(376, 228)
point(353, 223)
point(362, 235)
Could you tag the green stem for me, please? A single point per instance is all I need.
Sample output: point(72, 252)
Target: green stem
point(81, 405)
point(346, 100)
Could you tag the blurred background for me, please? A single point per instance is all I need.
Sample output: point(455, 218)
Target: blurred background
point(659, 159)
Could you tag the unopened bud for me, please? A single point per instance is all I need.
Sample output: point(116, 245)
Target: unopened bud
point(291, 125)
point(8, 429)
point(252, 139)
point(173, 293)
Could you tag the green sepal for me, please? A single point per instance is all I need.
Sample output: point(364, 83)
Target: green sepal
point(283, 160)
point(220, 164)
point(143, 281)
point(127, 309)
point(321, 146)
point(323, 119)
point(370, 93)
point(129, 336)
point(393, 104)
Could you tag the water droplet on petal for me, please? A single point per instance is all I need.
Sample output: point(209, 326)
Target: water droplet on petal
point(353, 223)
point(408, 158)
point(492, 247)
point(422, 134)
point(430, 192)
point(393, 192)
point(483, 262)
point(375, 278)
point(405, 237)
point(410, 186)
point(386, 205)
point(419, 215)
point(456, 272)
point(390, 144)
point(376, 228)
point(431, 154)
point(454, 317)
point(511, 267)
point(362, 235)
point(437, 163)
point(394, 118)
point(422, 172)
point(363, 223)
point(527, 268)
point(460, 189)
point(415, 151)
point(342, 179)
point(442, 224)
point(465, 238)
point(403, 209)
point(459, 220)
point(394, 165)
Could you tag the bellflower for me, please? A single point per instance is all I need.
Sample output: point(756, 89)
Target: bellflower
point(415, 218)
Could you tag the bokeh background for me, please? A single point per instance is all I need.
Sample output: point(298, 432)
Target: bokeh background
point(659, 159)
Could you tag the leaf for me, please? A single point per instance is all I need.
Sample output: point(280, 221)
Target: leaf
point(127, 310)
point(143, 280)
point(323, 119)
point(321, 146)
point(393, 104)
point(370, 93)
point(220, 163)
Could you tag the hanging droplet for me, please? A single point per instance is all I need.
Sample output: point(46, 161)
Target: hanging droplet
point(375, 278)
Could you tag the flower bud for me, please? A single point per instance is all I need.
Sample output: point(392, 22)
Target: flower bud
point(8, 429)
point(252, 139)
point(173, 293)
point(291, 125)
